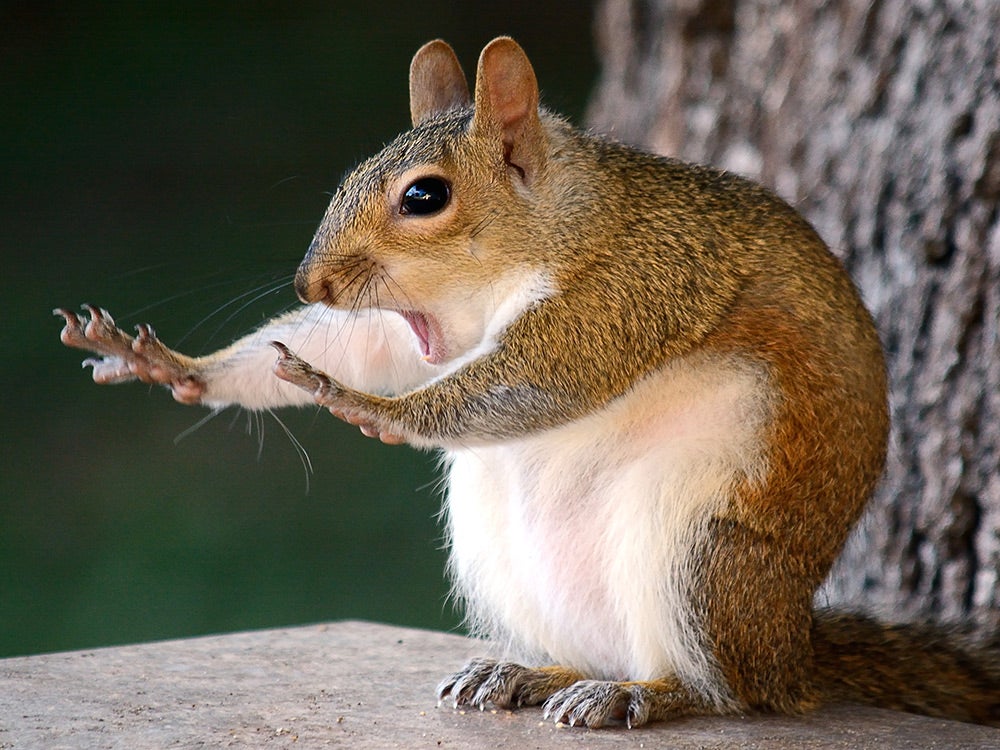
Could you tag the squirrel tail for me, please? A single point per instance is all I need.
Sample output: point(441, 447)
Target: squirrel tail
point(918, 668)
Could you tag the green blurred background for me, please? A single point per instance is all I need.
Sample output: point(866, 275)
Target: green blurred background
point(163, 161)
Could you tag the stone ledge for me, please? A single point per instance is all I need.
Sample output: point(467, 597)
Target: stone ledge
point(360, 685)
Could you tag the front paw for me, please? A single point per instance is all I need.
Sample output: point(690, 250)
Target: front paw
point(293, 369)
point(328, 393)
point(503, 684)
point(124, 357)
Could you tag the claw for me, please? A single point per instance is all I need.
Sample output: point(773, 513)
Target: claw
point(292, 369)
point(72, 332)
point(102, 326)
point(283, 351)
point(71, 317)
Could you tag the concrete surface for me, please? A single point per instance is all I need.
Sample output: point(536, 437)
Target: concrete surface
point(360, 685)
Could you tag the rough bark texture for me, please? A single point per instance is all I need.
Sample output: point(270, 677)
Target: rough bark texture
point(880, 121)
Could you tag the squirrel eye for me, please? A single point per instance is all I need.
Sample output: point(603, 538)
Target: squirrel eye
point(427, 195)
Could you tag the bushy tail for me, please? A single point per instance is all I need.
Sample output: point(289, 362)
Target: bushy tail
point(922, 669)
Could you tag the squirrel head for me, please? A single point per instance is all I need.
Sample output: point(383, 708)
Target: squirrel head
point(438, 225)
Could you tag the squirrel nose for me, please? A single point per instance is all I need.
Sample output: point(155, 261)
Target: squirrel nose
point(309, 289)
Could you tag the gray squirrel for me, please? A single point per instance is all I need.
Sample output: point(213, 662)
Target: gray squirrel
point(661, 402)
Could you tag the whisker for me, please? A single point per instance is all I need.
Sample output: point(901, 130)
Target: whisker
point(235, 419)
point(492, 216)
point(299, 449)
point(198, 425)
point(353, 280)
point(271, 287)
point(139, 271)
point(274, 289)
point(174, 297)
point(388, 282)
point(347, 330)
point(385, 335)
point(259, 422)
point(403, 303)
point(284, 180)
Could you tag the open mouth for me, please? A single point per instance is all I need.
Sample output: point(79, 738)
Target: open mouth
point(428, 334)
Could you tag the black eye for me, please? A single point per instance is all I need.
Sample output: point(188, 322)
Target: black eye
point(427, 195)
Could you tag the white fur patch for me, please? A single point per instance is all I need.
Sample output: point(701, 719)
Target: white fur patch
point(575, 545)
point(477, 321)
point(372, 350)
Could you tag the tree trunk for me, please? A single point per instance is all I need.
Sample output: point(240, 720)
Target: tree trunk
point(880, 121)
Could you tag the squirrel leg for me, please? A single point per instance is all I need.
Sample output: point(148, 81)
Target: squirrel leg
point(368, 349)
point(124, 357)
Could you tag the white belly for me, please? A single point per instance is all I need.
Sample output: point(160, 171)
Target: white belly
point(574, 546)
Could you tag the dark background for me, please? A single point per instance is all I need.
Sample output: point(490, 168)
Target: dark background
point(171, 164)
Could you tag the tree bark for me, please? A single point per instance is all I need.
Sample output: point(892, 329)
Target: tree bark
point(880, 121)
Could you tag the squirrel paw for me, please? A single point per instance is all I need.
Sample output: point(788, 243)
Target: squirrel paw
point(327, 392)
point(124, 357)
point(594, 703)
point(504, 684)
point(293, 369)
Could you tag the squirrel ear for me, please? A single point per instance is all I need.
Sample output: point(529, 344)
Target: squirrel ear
point(507, 100)
point(437, 82)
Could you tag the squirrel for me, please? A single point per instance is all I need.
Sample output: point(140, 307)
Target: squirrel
point(661, 401)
